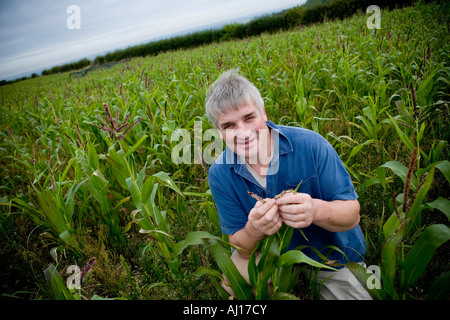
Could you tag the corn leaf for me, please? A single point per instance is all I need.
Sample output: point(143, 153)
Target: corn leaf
point(283, 296)
point(401, 171)
point(93, 156)
point(241, 288)
point(56, 285)
point(193, 238)
point(269, 254)
point(70, 199)
point(167, 181)
point(389, 251)
point(213, 216)
point(417, 206)
point(142, 220)
point(391, 225)
point(286, 278)
point(201, 271)
point(381, 173)
point(285, 235)
point(296, 256)
point(444, 166)
point(441, 204)
point(421, 253)
point(439, 289)
point(136, 145)
point(401, 134)
point(67, 237)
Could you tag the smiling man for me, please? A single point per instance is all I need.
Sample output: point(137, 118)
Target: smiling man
point(266, 159)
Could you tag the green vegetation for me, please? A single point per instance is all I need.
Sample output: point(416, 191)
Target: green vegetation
point(87, 170)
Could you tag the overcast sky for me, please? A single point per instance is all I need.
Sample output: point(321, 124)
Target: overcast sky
point(34, 34)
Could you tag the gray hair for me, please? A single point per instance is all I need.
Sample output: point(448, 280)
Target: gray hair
point(230, 92)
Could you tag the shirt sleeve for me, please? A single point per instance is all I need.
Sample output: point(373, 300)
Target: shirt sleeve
point(334, 180)
point(232, 215)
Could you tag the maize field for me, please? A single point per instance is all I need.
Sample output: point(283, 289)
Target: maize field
point(88, 177)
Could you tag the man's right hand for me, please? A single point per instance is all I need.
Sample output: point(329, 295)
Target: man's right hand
point(264, 218)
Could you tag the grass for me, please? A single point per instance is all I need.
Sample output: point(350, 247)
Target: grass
point(77, 191)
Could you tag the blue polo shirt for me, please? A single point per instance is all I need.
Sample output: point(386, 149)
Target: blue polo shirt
point(299, 155)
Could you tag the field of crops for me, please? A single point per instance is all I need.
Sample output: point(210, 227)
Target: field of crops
point(88, 176)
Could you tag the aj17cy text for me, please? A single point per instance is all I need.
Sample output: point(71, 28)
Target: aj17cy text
point(234, 310)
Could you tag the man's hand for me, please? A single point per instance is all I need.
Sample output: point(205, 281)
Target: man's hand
point(297, 210)
point(264, 218)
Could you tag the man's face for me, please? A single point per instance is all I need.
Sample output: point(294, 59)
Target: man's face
point(245, 132)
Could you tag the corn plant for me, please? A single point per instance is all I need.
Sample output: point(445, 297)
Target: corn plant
point(302, 106)
point(280, 267)
point(56, 206)
point(414, 120)
point(282, 270)
point(372, 124)
point(99, 188)
point(401, 262)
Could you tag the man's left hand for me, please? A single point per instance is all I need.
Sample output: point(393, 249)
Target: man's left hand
point(297, 210)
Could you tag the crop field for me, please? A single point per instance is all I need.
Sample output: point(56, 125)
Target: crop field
point(90, 180)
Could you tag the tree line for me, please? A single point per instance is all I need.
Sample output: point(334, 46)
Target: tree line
point(68, 67)
point(315, 11)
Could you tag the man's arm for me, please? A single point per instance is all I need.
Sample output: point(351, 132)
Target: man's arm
point(337, 215)
point(300, 210)
point(263, 220)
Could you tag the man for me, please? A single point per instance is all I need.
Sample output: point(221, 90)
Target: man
point(266, 159)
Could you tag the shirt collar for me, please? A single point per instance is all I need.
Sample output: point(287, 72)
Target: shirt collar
point(285, 146)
